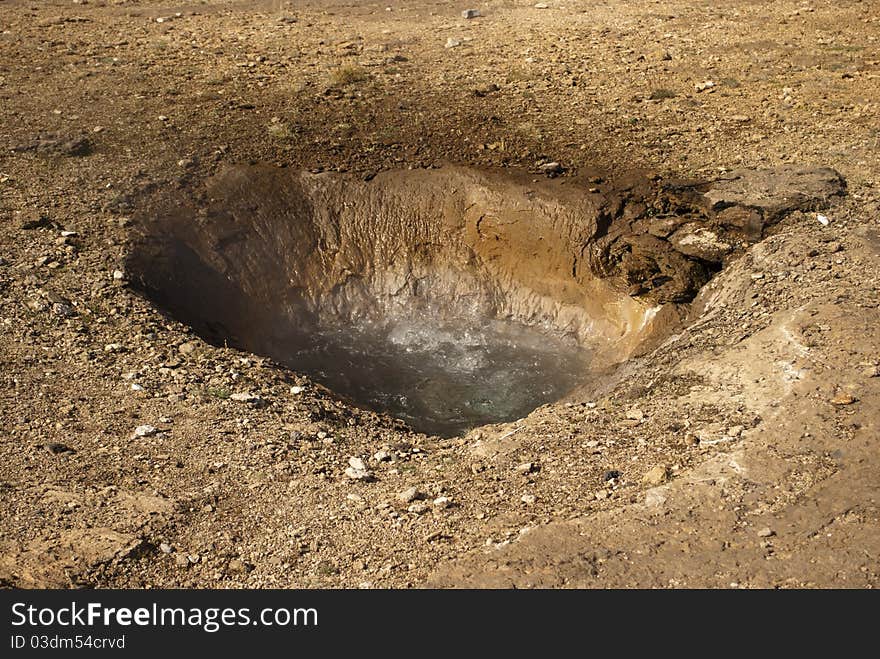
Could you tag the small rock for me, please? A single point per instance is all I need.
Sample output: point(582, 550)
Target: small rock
point(62, 309)
point(525, 468)
point(409, 495)
point(471, 13)
point(145, 431)
point(611, 474)
point(843, 398)
point(451, 42)
point(635, 414)
point(239, 566)
point(871, 371)
point(249, 398)
point(528, 499)
point(118, 275)
point(187, 348)
point(541, 5)
point(357, 470)
point(194, 558)
point(705, 85)
point(57, 448)
point(735, 431)
point(296, 390)
point(551, 168)
point(766, 532)
point(697, 241)
point(656, 476)
point(381, 456)
point(418, 508)
point(165, 548)
point(441, 503)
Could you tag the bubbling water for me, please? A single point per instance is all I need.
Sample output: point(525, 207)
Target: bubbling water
point(442, 376)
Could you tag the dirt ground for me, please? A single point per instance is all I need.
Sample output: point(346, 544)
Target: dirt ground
point(742, 452)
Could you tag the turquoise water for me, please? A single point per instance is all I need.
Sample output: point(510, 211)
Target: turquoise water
point(442, 377)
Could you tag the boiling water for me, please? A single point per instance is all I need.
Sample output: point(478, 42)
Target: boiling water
point(441, 377)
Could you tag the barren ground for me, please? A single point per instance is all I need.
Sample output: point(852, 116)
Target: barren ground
point(757, 425)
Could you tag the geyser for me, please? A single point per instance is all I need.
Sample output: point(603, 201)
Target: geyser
point(449, 298)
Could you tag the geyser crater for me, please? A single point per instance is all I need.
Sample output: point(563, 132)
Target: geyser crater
point(448, 298)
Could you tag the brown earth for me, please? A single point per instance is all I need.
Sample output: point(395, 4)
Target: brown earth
point(740, 449)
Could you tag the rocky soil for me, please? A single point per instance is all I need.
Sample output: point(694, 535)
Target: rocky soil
point(740, 452)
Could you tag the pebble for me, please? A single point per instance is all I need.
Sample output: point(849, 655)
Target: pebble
point(551, 168)
point(525, 468)
point(63, 310)
point(471, 13)
point(145, 431)
point(442, 502)
point(357, 470)
point(766, 532)
point(528, 499)
point(871, 372)
point(418, 508)
point(187, 348)
point(451, 42)
point(541, 5)
point(735, 431)
point(408, 495)
point(165, 548)
point(655, 476)
point(236, 565)
point(118, 275)
point(295, 390)
point(705, 85)
point(635, 414)
point(843, 398)
point(381, 456)
point(248, 397)
point(57, 448)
